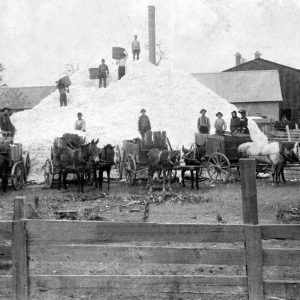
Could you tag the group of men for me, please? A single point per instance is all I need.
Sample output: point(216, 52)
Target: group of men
point(237, 125)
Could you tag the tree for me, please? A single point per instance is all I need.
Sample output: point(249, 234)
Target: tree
point(161, 54)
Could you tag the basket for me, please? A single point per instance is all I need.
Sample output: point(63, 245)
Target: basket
point(117, 52)
point(93, 73)
point(65, 81)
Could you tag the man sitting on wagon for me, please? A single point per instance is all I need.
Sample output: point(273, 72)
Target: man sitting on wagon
point(7, 128)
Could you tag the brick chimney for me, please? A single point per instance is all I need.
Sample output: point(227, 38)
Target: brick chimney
point(238, 58)
point(257, 54)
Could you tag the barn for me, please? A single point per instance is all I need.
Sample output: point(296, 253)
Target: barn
point(289, 82)
point(21, 98)
point(257, 91)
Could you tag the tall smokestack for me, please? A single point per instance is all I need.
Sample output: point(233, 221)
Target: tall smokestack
point(151, 25)
point(238, 58)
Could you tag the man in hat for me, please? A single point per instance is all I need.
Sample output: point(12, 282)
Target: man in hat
point(7, 128)
point(203, 122)
point(80, 123)
point(234, 122)
point(243, 128)
point(144, 124)
point(220, 124)
point(103, 73)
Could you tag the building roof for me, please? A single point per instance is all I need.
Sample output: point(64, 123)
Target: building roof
point(243, 86)
point(261, 64)
point(23, 97)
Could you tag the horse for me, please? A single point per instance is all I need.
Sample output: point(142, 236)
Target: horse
point(193, 158)
point(106, 158)
point(4, 171)
point(76, 160)
point(277, 154)
point(164, 160)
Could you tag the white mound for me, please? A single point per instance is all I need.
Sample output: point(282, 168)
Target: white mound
point(172, 99)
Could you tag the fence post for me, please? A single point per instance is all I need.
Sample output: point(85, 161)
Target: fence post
point(288, 132)
point(249, 192)
point(19, 251)
point(253, 245)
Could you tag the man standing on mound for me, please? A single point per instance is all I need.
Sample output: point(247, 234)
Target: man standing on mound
point(136, 49)
point(103, 73)
point(144, 124)
point(62, 93)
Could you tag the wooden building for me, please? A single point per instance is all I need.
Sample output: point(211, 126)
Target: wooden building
point(289, 82)
point(258, 92)
point(22, 98)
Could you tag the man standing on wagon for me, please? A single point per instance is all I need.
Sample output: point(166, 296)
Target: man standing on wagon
point(144, 124)
point(203, 122)
point(6, 126)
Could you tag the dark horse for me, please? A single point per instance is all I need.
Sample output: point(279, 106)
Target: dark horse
point(106, 160)
point(4, 171)
point(75, 160)
point(193, 160)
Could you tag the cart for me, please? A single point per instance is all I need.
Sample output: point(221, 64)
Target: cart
point(221, 154)
point(134, 155)
point(19, 161)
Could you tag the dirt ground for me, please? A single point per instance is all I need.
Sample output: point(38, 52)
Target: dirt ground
point(213, 203)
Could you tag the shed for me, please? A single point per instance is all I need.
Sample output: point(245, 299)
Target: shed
point(21, 98)
point(289, 81)
point(257, 91)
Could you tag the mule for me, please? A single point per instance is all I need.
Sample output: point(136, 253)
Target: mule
point(164, 160)
point(106, 158)
point(4, 171)
point(75, 160)
point(193, 158)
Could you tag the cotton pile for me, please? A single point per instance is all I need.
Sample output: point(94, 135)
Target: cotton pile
point(173, 100)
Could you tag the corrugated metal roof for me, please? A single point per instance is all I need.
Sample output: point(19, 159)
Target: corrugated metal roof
point(24, 97)
point(244, 86)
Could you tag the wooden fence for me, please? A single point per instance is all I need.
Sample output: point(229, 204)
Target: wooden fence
point(53, 245)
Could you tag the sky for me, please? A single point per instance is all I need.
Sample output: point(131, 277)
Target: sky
point(39, 37)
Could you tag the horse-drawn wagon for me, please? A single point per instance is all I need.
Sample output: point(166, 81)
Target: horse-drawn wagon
point(216, 154)
point(51, 166)
point(134, 156)
point(16, 161)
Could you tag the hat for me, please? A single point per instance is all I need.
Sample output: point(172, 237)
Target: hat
point(203, 109)
point(234, 111)
point(241, 110)
point(79, 114)
point(3, 109)
point(219, 113)
point(143, 110)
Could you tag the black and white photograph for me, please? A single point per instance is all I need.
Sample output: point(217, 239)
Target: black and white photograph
point(150, 149)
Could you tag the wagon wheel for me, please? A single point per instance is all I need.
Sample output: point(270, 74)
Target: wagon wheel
point(17, 175)
point(218, 167)
point(130, 169)
point(48, 172)
point(26, 163)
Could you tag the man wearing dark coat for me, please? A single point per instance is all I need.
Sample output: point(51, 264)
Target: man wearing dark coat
point(6, 126)
point(144, 124)
point(234, 122)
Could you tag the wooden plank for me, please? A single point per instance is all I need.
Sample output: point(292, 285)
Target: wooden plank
point(281, 257)
point(19, 253)
point(288, 290)
point(287, 128)
point(5, 252)
point(289, 232)
point(136, 255)
point(249, 191)
point(254, 262)
point(144, 285)
point(90, 232)
point(5, 230)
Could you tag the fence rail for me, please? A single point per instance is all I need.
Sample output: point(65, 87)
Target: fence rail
point(34, 244)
